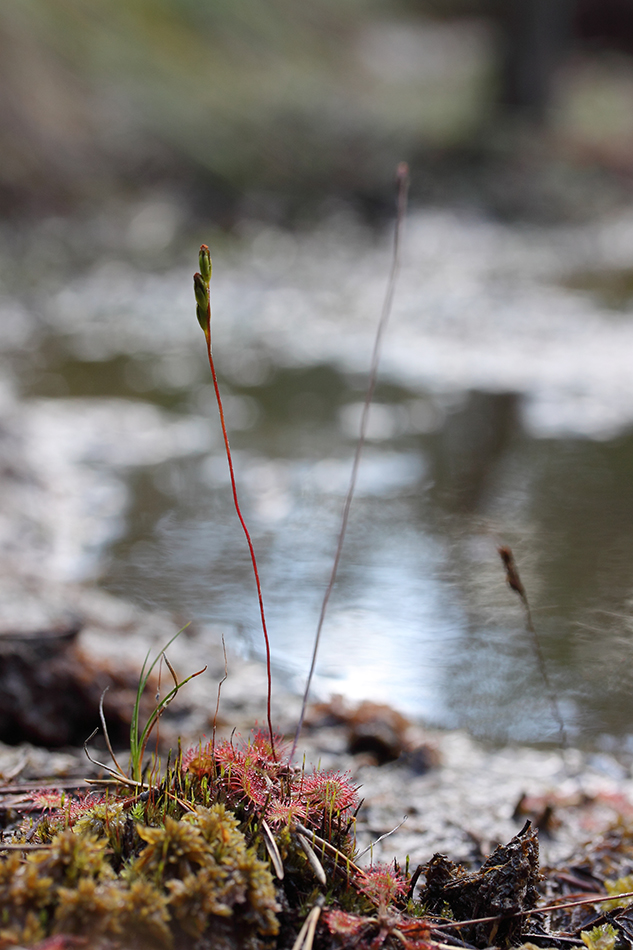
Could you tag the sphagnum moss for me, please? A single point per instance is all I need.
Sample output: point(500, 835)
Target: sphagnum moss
point(193, 876)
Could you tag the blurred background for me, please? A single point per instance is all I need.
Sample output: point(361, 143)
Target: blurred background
point(132, 131)
point(279, 111)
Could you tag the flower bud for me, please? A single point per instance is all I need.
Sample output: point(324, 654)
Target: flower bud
point(205, 263)
point(201, 291)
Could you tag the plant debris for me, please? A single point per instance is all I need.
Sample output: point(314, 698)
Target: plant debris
point(504, 886)
point(375, 731)
point(50, 689)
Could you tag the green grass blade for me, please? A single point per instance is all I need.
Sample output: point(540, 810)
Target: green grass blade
point(153, 719)
point(136, 743)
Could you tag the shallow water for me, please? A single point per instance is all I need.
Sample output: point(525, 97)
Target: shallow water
point(503, 414)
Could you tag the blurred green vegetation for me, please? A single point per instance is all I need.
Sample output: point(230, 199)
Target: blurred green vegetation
point(282, 109)
point(234, 99)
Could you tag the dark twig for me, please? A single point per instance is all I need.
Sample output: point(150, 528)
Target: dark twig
point(37, 786)
point(402, 181)
point(548, 908)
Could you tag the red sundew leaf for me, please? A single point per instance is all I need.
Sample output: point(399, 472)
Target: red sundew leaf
point(251, 786)
point(417, 933)
point(382, 884)
point(282, 813)
point(49, 799)
point(76, 808)
point(63, 808)
point(243, 778)
point(330, 791)
point(239, 760)
point(247, 770)
point(226, 754)
point(199, 766)
point(196, 753)
point(256, 753)
point(199, 760)
point(343, 924)
point(267, 756)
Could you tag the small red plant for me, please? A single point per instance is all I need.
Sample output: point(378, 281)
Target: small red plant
point(62, 810)
point(251, 774)
point(330, 792)
point(48, 799)
point(248, 772)
point(382, 884)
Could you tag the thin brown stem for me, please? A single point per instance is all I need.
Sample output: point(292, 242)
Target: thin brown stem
point(516, 584)
point(402, 181)
point(546, 909)
point(217, 705)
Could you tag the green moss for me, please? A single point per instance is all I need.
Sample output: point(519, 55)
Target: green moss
point(144, 915)
point(623, 885)
point(600, 938)
point(193, 876)
point(209, 872)
point(173, 850)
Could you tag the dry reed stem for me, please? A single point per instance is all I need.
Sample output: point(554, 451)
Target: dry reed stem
point(305, 937)
point(402, 183)
point(516, 584)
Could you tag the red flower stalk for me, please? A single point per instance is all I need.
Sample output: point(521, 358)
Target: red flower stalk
point(203, 311)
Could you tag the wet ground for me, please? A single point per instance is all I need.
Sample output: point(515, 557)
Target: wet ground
point(503, 414)
point(446, 792)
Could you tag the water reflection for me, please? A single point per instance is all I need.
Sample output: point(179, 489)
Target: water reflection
point(503, 414)
point(473, 442)
point(572, 526)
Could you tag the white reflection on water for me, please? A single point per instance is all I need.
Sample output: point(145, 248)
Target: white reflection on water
point(392, 622)
point(478, 307)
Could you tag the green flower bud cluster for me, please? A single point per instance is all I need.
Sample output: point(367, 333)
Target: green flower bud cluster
point(201, 282)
